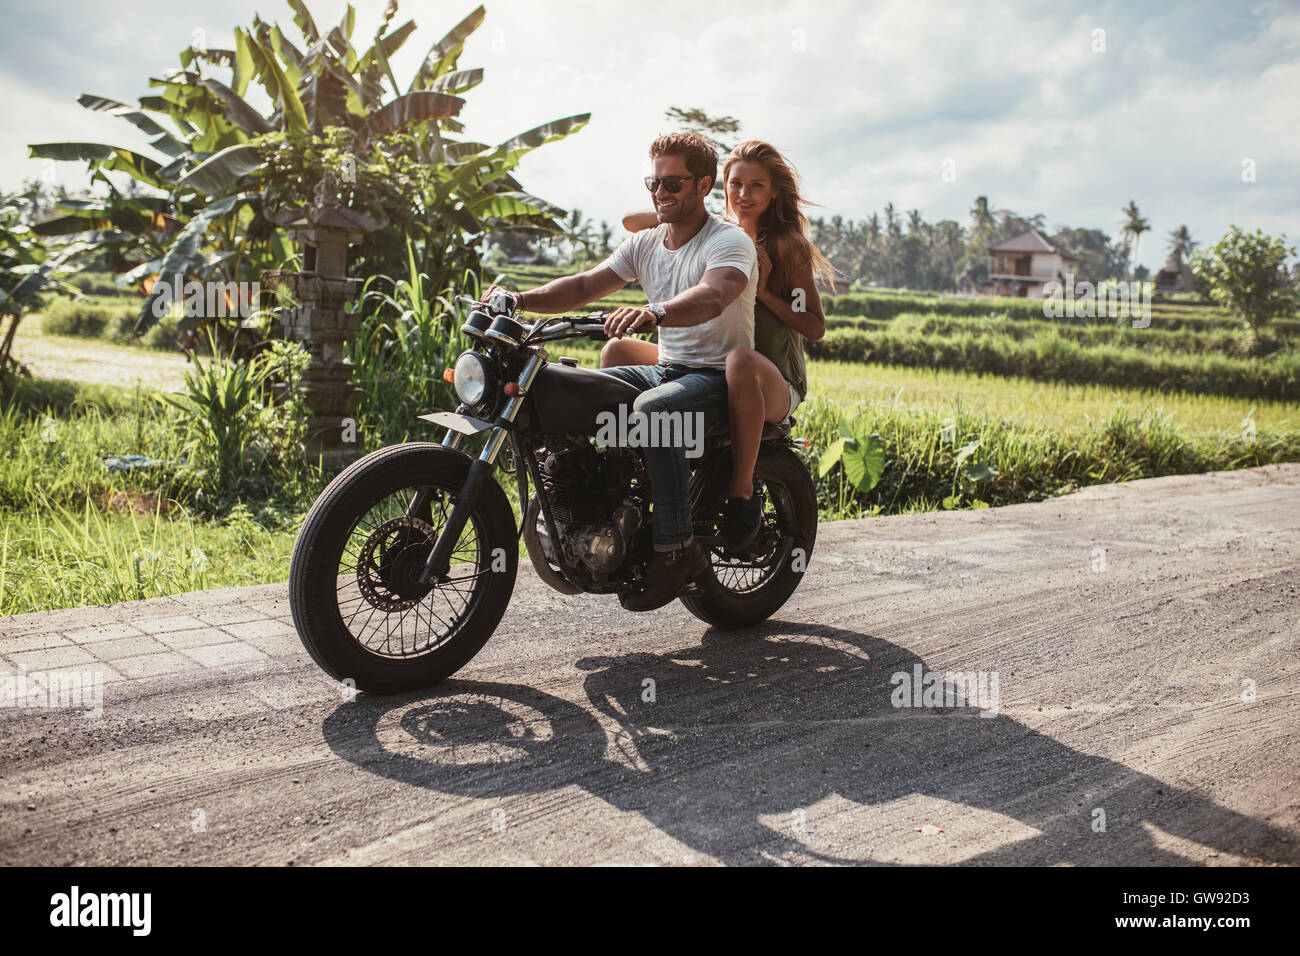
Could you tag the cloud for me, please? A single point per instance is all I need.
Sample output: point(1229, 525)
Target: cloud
point(867, 100)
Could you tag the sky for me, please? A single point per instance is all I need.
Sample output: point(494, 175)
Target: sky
point(1069, 109)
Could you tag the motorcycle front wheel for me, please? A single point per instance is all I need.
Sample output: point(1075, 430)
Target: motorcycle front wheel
point(356, 601)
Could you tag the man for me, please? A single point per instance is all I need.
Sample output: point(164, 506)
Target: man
point(700, 279)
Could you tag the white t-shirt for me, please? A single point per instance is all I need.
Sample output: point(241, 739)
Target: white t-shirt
point(665, 273)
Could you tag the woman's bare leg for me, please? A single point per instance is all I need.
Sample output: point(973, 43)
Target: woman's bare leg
point(756, 393)
point(628, 352)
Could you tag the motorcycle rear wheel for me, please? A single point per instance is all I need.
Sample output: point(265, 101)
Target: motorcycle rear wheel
point(355, 604)
point(744, 590)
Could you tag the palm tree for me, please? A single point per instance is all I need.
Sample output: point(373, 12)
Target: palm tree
point(891, 221)
point(948, 240)
point(606, 238)
point(893, 232)
point(577, 232)
point(1134, 225)
point(1181, 243)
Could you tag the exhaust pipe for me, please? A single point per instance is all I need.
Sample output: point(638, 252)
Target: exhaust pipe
point(537, 555)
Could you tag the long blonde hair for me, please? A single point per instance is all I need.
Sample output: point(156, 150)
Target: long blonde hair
point(782, 228)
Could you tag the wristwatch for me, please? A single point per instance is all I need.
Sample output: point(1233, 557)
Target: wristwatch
point(659, 312)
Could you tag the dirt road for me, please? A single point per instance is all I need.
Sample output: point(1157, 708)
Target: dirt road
point(1132, 650)
point(98, 362)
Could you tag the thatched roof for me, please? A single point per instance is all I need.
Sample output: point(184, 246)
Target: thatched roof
point(1031, 241)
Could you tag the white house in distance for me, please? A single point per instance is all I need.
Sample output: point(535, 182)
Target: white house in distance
point(1023, 265)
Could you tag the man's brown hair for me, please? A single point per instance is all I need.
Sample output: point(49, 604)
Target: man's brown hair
point(701, 158)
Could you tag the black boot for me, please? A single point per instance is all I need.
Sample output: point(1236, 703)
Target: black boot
point(668, 573)
point(744, 518)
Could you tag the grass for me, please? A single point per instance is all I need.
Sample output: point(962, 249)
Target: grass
point(1222, 340)
point(55, 556)
point(1050, 356)
point(923, 467)
point(76, 533)
point(73, 533)
point(52, 357)
point(1022, 401)
point(1039, 404)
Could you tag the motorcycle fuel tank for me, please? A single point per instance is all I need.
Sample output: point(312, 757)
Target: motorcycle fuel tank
point(568, 399)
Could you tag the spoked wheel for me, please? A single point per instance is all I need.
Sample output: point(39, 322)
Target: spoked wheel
point(743, 589)
point(354, 588)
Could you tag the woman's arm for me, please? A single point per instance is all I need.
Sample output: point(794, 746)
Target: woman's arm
point(810, 322)
point(636, 221)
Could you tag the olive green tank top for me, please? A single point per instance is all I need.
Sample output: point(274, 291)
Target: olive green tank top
point(782, 344)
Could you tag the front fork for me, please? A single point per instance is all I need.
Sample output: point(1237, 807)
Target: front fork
point(480, 470)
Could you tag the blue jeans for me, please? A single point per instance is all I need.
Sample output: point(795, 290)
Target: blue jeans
point(675, 389)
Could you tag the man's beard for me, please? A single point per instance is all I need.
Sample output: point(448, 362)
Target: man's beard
point(677, 213)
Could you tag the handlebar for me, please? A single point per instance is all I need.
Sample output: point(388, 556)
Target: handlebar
point(591, 326)
point(547, 329)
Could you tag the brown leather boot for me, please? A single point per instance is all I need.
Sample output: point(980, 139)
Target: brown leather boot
point(668, 573)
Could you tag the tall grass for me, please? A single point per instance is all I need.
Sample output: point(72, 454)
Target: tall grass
point(74, 532)
point(409, 337)
point(55, 555)
point(922, 447)
point(236, 440)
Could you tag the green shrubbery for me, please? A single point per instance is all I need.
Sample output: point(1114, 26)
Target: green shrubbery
point(97, 283)
point(1165, 315)
point(886, 305)
point(1193, 339)
point(89, 317)
point(106, 318)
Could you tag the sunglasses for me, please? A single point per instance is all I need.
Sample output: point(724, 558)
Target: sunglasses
point(671, 183)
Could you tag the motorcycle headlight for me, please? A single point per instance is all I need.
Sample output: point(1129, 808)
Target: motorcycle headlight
point(472, 378)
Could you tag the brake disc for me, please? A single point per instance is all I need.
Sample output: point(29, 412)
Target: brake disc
point(390, 562)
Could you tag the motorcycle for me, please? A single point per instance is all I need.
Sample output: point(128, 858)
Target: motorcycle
point(406, 562)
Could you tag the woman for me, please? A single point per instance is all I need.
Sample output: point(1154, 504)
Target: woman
point(767, 382)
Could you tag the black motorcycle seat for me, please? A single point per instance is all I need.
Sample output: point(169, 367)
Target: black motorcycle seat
point(779, 432)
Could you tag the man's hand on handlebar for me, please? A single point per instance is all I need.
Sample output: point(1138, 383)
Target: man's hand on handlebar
point(628, 319)
point(486, 297)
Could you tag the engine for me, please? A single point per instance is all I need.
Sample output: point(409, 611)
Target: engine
point(592, 504)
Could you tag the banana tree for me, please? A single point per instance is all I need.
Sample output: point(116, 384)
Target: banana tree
point(28, 265)
point(212, 145)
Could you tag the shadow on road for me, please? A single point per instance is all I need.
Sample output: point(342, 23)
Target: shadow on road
point(737, 741)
